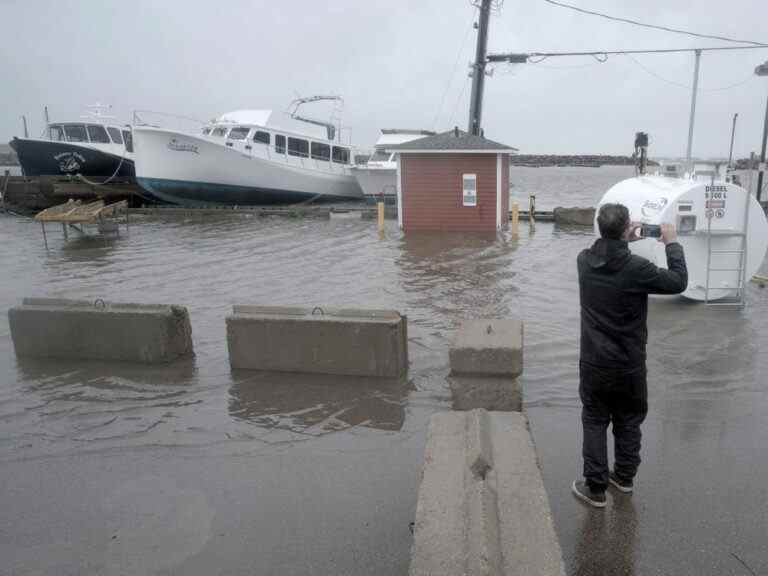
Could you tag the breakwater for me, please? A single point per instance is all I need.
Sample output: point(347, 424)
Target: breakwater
point(578, 160)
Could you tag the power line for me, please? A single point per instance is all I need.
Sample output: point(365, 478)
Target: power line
point(652, 26)
point(687, 86)
point(520, 58)
point(453, 73)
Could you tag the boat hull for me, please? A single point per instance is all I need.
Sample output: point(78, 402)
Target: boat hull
point(47, 158)
point(196, 171)
point(377, 181)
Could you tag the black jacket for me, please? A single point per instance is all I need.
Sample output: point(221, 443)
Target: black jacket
point(614, 285)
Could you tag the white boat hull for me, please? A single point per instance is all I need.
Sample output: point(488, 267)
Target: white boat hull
point(196, 170)
point(376, 181)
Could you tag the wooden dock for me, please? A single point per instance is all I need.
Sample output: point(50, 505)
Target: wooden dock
point(76, 215)
point(30, 195)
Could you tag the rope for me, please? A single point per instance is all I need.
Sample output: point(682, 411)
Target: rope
point(84, 179)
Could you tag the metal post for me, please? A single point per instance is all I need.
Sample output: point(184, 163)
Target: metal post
point(26, 131)
point(47, 124)
point(45, 238)
point(64, 228)
point(733, 133)
point(762, 154)
point(478, 70)
point(531, 207)
point(689, 150)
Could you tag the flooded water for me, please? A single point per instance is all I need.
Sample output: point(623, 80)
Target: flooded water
point(193, 469)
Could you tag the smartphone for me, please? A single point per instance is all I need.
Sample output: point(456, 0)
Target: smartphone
point(650, 231)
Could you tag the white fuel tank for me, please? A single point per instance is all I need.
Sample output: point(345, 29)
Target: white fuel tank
point(711, 220)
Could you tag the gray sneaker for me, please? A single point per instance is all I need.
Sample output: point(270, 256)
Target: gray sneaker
point(625, 486)
point(586, 494)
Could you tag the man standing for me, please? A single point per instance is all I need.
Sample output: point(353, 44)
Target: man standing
point(614, 285)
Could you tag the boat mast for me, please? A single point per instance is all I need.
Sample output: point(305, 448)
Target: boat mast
point(478, 70)
point(296, 104)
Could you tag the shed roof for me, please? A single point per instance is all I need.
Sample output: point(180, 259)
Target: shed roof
point(453, 141)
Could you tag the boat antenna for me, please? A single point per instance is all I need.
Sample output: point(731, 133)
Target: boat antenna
point(298, 102)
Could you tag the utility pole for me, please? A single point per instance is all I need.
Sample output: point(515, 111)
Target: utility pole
point(478, 70)
point(762, 70)
point(733, 133)
point(689, 150)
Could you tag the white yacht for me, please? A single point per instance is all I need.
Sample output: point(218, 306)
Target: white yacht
point(378, 174)
point(93, 146)
point(247, 157)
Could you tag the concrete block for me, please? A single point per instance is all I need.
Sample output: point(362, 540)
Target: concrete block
point(498, 393)
point(574, 216)
point(499, 524)
point(77, 329)
point(488, 347)
point(324, 341)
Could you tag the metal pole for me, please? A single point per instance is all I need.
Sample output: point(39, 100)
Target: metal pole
point(47, 124)
point(26, 131)
point(762, 154)
point(688, 153)
point(733, 133)
point(478, 70)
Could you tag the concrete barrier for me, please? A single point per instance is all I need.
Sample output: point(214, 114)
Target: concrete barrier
point(574, 216)
point(482, 507)
point(488, 348)
point(330, 341)
point(58, 328)
point(490, 392)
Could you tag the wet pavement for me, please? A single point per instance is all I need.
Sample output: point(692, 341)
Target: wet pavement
point(193, 469)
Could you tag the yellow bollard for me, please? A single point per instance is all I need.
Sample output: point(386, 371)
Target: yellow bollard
point(381, 216)
point(515, 218)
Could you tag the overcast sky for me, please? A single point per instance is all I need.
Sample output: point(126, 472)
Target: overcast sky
point(394, 62)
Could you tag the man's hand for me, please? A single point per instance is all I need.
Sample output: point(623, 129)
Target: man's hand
point(668, 234)
point(634, 232)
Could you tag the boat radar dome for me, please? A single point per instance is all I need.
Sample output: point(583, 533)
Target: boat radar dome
point(720, 225)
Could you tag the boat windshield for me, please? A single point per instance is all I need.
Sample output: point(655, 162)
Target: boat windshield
point(57, 133)
point(219, 131)
point(114, 133)
point(379, 156)
point(98, 134)
point(76, 132)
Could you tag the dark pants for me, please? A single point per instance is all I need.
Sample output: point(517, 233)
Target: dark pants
point(619, 397)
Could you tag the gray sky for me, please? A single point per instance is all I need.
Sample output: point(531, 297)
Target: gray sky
point(393, 62)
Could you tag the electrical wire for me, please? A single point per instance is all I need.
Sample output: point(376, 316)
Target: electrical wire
point(686, 86)
point(456, 105)
point(453, 73)
point(652, 26)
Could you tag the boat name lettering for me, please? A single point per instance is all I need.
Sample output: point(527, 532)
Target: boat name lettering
point(651, 207)
point(69, 161)
point(182, 146)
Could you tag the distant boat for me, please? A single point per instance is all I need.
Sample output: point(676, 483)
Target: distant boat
point(377, 175)
point(247, 157)
point(93, 147)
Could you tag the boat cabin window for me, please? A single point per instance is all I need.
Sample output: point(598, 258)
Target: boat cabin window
point(321, 151)
point(98, 134)
point(75, 133)
point(219, 131)
point(298, 147)
point(340, 155)
point(128, 137)
point(206, 131)
point(263, 137)
point(114, 133)
point(57, 133)
point(239, 133)
point(379, 156)
point(279, 144)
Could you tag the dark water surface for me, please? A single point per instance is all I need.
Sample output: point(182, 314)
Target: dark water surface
point(192, 469)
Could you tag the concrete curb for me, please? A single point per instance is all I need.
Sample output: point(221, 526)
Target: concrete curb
point(79, 329)
point(482, 507)
point(320, 340)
